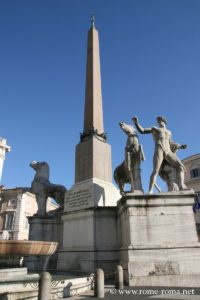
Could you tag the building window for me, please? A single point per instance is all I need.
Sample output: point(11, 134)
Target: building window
point(9, 221)
point(195, 173)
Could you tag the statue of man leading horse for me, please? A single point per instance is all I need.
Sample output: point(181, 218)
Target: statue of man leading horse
point(165, 162)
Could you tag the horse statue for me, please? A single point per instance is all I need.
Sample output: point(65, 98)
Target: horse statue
point(43, 188)
point(129, 170)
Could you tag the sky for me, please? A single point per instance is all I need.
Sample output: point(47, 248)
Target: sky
point(150, 66)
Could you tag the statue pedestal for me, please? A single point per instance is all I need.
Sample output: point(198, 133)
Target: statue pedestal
point(158, 240)
point(89, 240)
point(90, 227)
point(47, 228)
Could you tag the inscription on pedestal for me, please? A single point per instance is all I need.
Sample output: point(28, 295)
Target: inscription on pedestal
point(166, 268)
point(79, 199)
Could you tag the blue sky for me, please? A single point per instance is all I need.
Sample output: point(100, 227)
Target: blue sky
point(150, 66)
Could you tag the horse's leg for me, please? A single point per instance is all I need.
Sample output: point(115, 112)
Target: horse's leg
point(136, 171)
point(132, 182)
point(121, 187)
point(57, 192)
point(41, 202)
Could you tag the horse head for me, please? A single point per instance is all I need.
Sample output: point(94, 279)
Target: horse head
point(128, 129)
point(41, 168)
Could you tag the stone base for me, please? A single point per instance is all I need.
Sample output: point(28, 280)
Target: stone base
point(47, 228)
point(176, 265)
point(90, 227)
point(90, 240)
point(25, 286)
point(91, 193)
point(12, 272)
point(159, 243)
point(11, 261)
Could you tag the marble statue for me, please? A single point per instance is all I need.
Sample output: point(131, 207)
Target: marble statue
point(168, 172)
point(164, 154)
point(129, 170)
point(43, 188)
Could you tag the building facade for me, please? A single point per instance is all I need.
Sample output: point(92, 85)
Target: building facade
point(192, 180)
point(16, 206)
point(192, 175)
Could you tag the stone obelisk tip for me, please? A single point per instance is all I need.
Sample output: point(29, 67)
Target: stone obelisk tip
point(92, 19)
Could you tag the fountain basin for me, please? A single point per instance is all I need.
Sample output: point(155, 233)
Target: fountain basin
point(24, 248)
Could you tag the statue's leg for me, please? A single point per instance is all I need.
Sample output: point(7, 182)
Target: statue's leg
point(129, 168)
point(175, 161)
point(137, 176)
point(182, 179)
point(41, 202)
point(132, 182)
point(157, 161)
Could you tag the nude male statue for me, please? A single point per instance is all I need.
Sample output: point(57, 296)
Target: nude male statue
point(163, 150)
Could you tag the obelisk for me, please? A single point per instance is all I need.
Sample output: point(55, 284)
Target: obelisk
point(93, 166)
point(90, 205)
point(93, 117)
point(93, 153)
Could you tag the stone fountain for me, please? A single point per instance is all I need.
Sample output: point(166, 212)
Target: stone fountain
point(15, 281)
point(20, 282)
point(16, 250)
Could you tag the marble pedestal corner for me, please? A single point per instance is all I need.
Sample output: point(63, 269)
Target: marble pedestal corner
point(158, 240)
point(90, 240)
point(47, 228)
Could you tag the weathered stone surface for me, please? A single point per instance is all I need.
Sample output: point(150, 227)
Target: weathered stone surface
point(25, 286)
point(48, 228)
point(93, 160)
point(23, 248)
point(12, 272)
point(158, 240)
point(90, 240)
point(166, 268)
point(91, 193)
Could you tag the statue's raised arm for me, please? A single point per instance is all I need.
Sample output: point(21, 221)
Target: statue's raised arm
point(175, 146)
point(139, 127)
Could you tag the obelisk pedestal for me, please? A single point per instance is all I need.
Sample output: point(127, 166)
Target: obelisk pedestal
point(159, 243)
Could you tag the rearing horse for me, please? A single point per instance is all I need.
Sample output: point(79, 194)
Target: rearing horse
point(129, 170)
point(43, 188)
